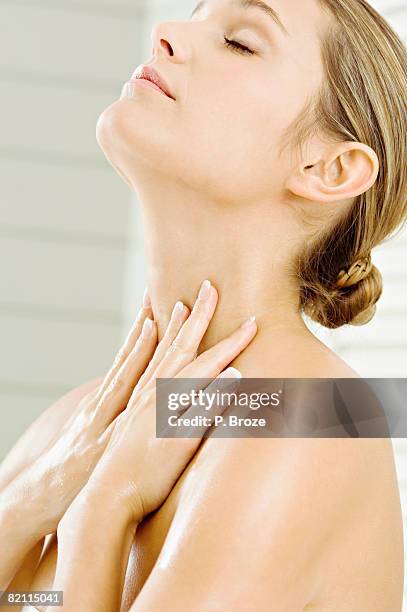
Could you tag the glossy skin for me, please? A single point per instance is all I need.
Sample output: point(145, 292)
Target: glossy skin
point(138, 470)
point(108, 446)
point(225, 493)
point(368, 511)
point(320, 528)
point(55, 472)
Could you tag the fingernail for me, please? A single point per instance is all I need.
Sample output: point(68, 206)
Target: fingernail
point(177, 310)
point(146, 299)
point(249, 322)
point(230, 380)
point(147, 328)
point(231, 373)
point(205, 290)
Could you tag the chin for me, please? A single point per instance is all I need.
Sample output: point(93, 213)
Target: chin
point(128, 140)
point(115, 129)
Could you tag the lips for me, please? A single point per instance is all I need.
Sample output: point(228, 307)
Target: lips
point(150, 74)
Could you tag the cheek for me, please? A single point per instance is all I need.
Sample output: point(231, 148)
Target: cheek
point(232, 137)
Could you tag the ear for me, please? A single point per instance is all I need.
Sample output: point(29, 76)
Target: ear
point(338, 171)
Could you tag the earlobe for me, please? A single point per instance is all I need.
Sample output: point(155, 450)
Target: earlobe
point(344, 171)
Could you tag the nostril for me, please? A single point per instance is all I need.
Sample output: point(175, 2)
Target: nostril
point(164, 43)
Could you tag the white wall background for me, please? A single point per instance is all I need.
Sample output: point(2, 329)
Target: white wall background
point(63, 210)
point(71, 252)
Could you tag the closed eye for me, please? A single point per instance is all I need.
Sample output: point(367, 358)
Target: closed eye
point(238, 47)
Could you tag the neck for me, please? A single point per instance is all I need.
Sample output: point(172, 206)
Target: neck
point(243, 250)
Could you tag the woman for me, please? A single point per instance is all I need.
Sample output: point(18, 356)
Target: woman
point(277, 188)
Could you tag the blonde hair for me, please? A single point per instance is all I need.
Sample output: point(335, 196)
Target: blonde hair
point(363, 99)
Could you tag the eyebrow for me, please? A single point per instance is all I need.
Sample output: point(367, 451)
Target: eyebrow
point(249, 4)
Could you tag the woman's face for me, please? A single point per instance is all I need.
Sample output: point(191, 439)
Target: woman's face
point(222, 132)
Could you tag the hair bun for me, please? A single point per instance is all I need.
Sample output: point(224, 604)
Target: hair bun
point(351, 300)
point(357, 272)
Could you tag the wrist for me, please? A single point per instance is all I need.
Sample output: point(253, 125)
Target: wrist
point(111, 485)
point(95, 506)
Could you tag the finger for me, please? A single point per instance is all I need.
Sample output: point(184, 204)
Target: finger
point(220, 390)
point(188, 392)
point(184, 347)
point(107, 433)
point(129, 343)
point(117, 394)
point(227, 382)
point(179, 314)
point(215, 359)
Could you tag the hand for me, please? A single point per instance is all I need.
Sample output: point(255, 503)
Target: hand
point(54, 478)
point(138, 469)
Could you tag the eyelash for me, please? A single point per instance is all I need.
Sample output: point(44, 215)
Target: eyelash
point(237, 47)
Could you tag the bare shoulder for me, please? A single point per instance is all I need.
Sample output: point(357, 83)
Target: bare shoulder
point(314, 359)
point(279, 507)
point(39, 434)
point(299, 512)
point(288, 354)
point(329, 364)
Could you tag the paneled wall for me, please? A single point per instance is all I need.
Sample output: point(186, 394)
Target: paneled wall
point(63, 210)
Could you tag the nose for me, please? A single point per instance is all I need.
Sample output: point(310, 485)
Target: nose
point(168, 41)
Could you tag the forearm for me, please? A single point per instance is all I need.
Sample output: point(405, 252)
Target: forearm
point(22, 527)
point(94, 541)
